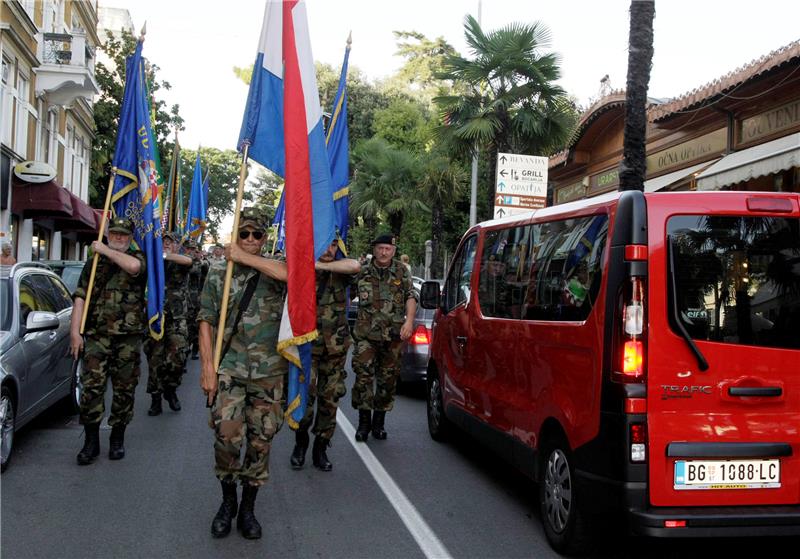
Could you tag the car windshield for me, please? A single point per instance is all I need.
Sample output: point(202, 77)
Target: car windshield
point(737, 278)
point(5, 304)
point(71, 275)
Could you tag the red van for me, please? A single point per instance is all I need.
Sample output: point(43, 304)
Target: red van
point(637, 353)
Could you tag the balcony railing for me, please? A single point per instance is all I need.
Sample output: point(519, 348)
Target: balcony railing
point(57, 48)
point(67, 69)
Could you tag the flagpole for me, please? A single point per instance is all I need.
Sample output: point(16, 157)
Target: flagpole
point(174, 176)
point(226, 288)
point(103, 221)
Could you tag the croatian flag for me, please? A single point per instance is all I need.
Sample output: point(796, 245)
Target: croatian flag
point(283, 126)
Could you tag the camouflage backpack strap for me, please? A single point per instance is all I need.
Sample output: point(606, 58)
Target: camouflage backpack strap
point(244, 302)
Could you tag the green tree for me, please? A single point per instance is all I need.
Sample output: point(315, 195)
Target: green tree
point(111, 79)
point(404, 124)
point(424, 60)
point(385, 185)
point(505, 97)
point(640, 58)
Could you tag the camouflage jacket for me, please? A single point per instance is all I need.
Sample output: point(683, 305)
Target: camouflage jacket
point(197, 276)
point(175, 290)
point(382, 296)
point(117, 305)
point(332, 310)
point(253, 351)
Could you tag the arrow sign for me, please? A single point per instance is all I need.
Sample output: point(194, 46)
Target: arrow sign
point(501, 212)
point(498, 200)
point(502, 159)
point(522, 181)
point(503, 173)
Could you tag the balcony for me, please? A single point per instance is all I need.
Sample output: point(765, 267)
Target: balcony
point(67, 70)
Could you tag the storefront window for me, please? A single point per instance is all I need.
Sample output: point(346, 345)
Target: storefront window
point(40, 243)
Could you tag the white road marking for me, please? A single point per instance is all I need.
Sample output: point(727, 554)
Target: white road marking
point(426, 539)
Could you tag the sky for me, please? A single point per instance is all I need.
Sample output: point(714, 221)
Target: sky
point(197, 43)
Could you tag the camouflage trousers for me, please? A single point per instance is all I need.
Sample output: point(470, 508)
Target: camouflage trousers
point(250, 410)
point(117, 358)
point(192, 327)
point(327, 387)
point(166, 357)
point(376, 365)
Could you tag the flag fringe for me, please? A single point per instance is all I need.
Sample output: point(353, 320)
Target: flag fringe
point(284, 346)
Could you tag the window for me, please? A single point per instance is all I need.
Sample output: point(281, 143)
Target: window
point(545, 271)
point(23, 108)
point(61, 296)
point(457, 290)
point(35, 294)
point(737, 278)
point(69, 155)
point(6, 100)
point(50, 140)
point(40, 243)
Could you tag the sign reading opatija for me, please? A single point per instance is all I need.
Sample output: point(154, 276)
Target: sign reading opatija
point(521, 184)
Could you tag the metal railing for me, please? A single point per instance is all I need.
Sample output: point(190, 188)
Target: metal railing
point(57, 48)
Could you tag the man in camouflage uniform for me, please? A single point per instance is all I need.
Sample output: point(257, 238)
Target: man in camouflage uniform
point(167, 356)
point(248, 389)
point(386, 307)
point(115, 324)
point(197, 277)
point(329, 355)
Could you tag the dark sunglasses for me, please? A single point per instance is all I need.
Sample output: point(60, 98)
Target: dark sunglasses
point(257, 235)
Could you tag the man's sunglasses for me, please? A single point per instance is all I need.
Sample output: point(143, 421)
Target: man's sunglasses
point(257, 235)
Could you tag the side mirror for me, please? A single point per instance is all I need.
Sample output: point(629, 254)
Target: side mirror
point(429, 295)
point(39, 321)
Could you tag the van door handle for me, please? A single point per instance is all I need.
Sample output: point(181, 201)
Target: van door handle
point(763, 391)
point(461, 340)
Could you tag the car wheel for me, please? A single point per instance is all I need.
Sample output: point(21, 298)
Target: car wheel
point(438, 424)
point(8, 419)
point(565, 525)
point(76, 389)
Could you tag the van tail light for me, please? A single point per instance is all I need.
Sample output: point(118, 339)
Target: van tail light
point(638, 438)
point(631, 359)
point(421, 336)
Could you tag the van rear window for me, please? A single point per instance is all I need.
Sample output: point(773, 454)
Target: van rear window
point(738, 278)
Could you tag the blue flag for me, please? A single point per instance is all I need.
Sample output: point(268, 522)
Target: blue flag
point(196, 216)
point(135, 194)
point(337, 140)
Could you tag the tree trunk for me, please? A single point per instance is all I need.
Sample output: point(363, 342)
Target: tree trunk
point(396, 223)
point(640, 57)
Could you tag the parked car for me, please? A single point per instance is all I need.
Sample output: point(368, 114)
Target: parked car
point(68, 270)
point(36, 370)
point(414, 357)
point(637, 355)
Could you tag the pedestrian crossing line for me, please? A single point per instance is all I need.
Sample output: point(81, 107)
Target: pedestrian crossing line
point(426, 539)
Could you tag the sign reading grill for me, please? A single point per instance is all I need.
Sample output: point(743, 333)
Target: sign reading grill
point(521, 184)
point(727, 474)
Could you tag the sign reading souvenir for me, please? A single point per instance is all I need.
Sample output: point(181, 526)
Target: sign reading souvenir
point(36, 172)
point(521, 184)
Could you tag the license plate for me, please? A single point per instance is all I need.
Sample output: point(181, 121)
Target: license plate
point(727, 474)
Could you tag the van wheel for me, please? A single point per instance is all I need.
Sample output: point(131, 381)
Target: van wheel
point(8, 418)
point(438, 425)
point(565, 525)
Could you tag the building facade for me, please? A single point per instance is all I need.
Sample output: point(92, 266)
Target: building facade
point(48, 50)
point(739, 132)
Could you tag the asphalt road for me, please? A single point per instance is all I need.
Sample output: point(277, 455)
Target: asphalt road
point(428, 499)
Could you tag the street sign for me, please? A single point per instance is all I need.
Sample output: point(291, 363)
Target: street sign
point(35, 172)
point(521, 184)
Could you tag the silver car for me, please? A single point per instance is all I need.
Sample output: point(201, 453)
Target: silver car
point(36, 370)
point(416, 350)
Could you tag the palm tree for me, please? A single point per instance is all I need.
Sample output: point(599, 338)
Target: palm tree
point(444, 181)
point(505, 98)
point(385, 184)
point(640, 58)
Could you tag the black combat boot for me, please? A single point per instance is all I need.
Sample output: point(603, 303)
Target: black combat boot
point(155, 407)
point(300, 447)
point(221, 526)
point(91, 444)
point(246, 522)
point(364, 425)
point(116, 449)
point(320, 456)
point(172, 399)
point(377, 425)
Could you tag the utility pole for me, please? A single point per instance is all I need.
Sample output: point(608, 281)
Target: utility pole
point(473, 200)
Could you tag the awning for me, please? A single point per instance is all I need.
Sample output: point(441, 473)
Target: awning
point(757, 161)
point(83, 218)
point(656, 184)
point(48, 199)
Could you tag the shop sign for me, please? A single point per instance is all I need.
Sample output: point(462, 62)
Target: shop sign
point(767, 123)
point(602, 182)
point(35, 172)
point(571, 192)
point(682, 155)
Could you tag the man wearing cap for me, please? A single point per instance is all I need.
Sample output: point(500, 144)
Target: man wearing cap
point(166, 357)
point(386, 307)
point(197, 276)
point(329, 354)
point(115, 324)
point(217, 253)
point(247, 392)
